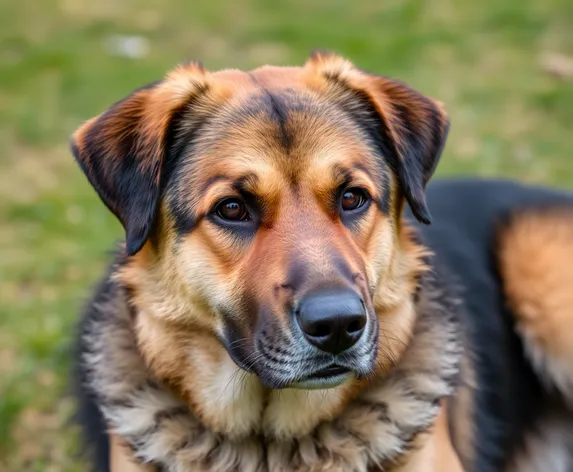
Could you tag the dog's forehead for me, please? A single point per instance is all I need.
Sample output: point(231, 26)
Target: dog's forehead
point(272, 118)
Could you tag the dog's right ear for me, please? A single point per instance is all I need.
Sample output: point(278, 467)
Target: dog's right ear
point(123, 151)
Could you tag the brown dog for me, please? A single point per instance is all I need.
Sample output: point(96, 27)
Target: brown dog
point(271, 309)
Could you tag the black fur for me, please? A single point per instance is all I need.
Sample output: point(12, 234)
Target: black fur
point(279, 113)
point(94, 436)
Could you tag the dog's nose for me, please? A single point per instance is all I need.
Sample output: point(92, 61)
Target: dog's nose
point(332, 320)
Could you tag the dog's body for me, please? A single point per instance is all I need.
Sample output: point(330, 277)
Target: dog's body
point(274, 310)
point(475, 237)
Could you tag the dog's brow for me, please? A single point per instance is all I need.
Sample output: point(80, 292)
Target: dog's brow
point(362, 168)
point(245, 183)
point(212, 181)
point(345, 174)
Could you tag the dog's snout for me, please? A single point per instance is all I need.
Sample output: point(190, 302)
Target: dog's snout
point(332, 320)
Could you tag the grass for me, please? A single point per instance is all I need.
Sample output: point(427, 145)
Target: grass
point(484, 59)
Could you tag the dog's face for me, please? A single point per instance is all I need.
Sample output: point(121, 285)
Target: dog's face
point(270, 203)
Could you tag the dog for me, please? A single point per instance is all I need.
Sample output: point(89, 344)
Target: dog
point(293, 294)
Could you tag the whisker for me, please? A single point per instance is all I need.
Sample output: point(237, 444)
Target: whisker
point(237, 341)
point(255, 356)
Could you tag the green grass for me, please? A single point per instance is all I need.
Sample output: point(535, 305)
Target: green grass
point(482, 58)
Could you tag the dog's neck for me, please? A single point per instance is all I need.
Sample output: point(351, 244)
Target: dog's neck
point(337, 429)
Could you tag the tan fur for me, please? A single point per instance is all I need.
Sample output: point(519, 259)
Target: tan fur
point(434, 451)
point(536, 263)
point(228, 400)
point(121, 459)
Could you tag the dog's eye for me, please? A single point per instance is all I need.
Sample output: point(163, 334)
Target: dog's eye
point(353, 198)
point(232, 209)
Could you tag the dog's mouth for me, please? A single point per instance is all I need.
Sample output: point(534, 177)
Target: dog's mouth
point(329, 377)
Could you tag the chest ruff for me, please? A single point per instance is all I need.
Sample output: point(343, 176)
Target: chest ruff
point(377, 427)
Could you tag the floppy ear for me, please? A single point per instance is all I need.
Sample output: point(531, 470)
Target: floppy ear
point(412, 128)
point(123, 151)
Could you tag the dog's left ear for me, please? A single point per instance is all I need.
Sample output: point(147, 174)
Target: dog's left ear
point(412, 127)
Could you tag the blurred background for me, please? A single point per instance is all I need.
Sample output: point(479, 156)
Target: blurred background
point(503, 68)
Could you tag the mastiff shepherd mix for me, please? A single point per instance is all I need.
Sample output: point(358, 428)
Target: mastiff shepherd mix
point(282, 303)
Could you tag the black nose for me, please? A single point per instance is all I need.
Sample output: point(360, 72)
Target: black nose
point(332, 320)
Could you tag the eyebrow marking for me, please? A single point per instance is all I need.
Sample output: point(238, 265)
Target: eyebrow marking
point(212, 181)
point(362, 168)
point(245, 182)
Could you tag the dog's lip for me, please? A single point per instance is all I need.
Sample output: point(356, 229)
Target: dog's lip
point(329, 377)
point(333, 370)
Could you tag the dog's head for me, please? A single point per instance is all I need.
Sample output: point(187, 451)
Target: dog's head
point(265, 207)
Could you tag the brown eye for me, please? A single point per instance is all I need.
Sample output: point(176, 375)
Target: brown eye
point(352, 199)
point(232, 209)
